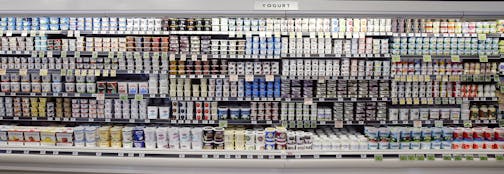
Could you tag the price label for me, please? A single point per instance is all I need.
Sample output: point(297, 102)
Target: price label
point(378, 157)
point(417, 123)
point(146, 55)
point(233, 78)
point(312, 35)
point(123, 97)
point(420, 157)
point(63, 54)
point(299, 35)
point(113, 73)
point(308, 101)
point(483, 58)
point(455, 58)
point(249, 78)
point(183, 57)
point(172, 57)
point(403, 157)
point(43, 72)
point(9, 33)
point(402, 101)
point(223, 123)
point(499, 157)
point(338, 124)
point(33, 53)
point(77, 54)
point(396, 58)
point(49, 54)
point(136, 55)
point(24, 33)
point(427, 58)
point(139, 97)
point(457, 157)
point(94, 54)
point(270, 78)
point(299, 124)
point(467, 123)
point(77, 33)
point(100, 96)
point(84, 72)
point(111, 54)
point(97, 72)
point(482, 36)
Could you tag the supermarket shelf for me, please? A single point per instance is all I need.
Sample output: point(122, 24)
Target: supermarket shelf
point(138, 121)
point(65, 94)
point(462, 57)
point(139, 54)
point(136, 96)
point(444, 35)
point(286, 123)
point(142, 96)
point(238, 154)
point(101, 72)
point(483, 99)
point(332, 56)
point(337, 77)
point(341, 99)
point(233, 99)
point(59, 164)
point(241, 34)
point(166, 55)
point(455, 78)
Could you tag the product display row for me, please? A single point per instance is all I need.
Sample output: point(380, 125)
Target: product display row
point(279, 138)
point(252, 24)
point(256, 45)
point(288, 85)
point(474, 112)
point(434, 138)
point(442, 67)
point(444, 46)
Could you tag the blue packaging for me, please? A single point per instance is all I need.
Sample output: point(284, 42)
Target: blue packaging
point(54, 20)
point(245, 113)
point(416, 134)
point(43, 20)
point(426, 134)
point(405, 134)
point(447, 133)
point(138, 134)
point(372, 145)
point(405, 145)
point(445, 144)
point(262, 93)
point(222, 113)
point(384, 134)
point(269, 94)
point(394, 145)
point(255, 92)
point(54, 27)
point(44, 26)
point(234, 113)
point(436, 144)
point(437, 133)
point(138, 144)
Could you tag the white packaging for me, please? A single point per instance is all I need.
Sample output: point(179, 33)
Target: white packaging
point(152, 112)
point(162, 137)
point(164, 112)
